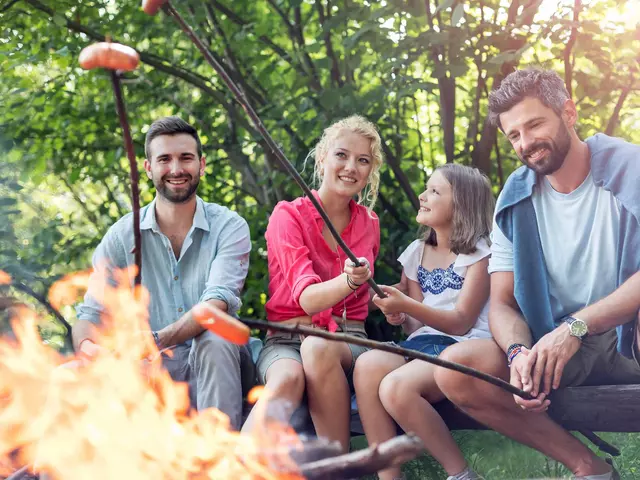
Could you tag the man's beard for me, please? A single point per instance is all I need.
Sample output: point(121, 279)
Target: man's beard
point(177, 196)
point(557, 150)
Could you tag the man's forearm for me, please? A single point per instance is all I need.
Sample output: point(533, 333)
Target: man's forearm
point(614, 309)
point(185, 328)
point(508, 327)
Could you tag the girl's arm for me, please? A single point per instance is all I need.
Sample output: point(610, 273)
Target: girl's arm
point(414, 292)
point(402, 285)
point(473, 297)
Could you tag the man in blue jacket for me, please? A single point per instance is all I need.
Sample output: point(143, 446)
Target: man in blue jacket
point(565, 281)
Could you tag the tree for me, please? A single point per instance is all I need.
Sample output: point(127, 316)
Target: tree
point(421, 70)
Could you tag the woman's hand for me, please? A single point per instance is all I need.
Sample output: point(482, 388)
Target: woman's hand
point(394, 303)
point(358, 275)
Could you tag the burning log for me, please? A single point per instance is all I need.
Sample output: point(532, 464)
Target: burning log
point(368, 461)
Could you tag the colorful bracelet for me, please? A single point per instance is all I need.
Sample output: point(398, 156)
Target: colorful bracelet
point(513, 351)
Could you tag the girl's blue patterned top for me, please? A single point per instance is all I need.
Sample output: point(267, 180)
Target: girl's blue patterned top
point(438, 280)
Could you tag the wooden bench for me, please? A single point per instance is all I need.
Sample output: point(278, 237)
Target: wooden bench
point(607, 408)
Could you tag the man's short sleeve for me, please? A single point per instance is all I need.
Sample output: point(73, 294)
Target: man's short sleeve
point(501, 251)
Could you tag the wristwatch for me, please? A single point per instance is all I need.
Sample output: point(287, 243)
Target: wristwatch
point(577, 328)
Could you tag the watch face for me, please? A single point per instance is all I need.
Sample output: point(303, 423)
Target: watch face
point(578, 328)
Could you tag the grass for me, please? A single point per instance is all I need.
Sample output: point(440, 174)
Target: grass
point(496, 457)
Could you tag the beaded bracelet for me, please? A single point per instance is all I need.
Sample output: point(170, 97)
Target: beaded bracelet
point(513, 351)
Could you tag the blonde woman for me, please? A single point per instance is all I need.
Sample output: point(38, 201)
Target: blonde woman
point(312, 282)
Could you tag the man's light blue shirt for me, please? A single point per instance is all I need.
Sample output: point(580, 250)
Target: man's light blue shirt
point(213, 263)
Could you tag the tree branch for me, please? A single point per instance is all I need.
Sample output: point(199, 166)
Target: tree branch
point(8, 5)
point(90, 215)
point(388, 206)
point(44, 302)
point(364, 462)
point(401, 177)
point(568, 66)
point(447, 97)
point(299, 37)
point(281, 52)
point(157, 63)
point(615, 117)
point(335, 69)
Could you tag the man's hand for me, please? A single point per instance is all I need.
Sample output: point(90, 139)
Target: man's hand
point(520, 371)
point(394, 303)
point(553, 352)
point(91, 350)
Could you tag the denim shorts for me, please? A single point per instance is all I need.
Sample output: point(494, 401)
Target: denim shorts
point(428, 343)
point(282, 345)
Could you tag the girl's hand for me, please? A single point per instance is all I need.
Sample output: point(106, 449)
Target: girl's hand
point(359, 275)
point(394, 302)
point(396, 319)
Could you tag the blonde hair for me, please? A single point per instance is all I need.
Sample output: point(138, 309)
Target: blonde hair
point(473, 205)
point(361, 126)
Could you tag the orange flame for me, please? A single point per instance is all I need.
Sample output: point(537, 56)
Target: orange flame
point(66, 290)
point(5, 278)
point(116, 416)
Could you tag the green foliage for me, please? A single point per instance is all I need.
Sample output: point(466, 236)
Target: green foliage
point(405, 64)
point(496, 457)
point(303, 65)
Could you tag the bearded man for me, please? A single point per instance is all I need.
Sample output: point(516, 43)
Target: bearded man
point(565, 281)
point(192, 252)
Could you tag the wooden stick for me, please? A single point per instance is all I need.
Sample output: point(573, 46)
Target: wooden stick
point(244, 102)
point(20, 474)
point(133, 172)
point(368, 461)
point(388, 347)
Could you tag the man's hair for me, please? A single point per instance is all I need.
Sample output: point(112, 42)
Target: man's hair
point(473, 205)
point(545, 85)
point(170, 126)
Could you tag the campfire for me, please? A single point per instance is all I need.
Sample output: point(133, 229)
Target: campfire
point(120, 415)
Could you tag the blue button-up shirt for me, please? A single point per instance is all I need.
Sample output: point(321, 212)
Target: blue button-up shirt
point(213, 263)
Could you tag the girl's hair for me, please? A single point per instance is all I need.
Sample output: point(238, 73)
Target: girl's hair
point(361, 126)
point(473, 205)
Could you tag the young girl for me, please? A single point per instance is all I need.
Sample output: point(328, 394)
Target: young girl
point(312, 282)
point(445, 275)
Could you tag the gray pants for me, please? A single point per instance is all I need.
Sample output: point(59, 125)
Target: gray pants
point(219, 373)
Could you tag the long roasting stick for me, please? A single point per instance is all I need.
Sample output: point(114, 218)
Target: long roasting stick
point(133, 168)
point(152, 7)
point(115, 58)
point(214, 319)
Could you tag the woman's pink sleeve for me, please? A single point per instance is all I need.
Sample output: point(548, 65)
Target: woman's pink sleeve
point(286, 245)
